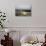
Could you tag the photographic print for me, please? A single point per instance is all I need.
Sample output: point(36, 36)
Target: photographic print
point(24, 10)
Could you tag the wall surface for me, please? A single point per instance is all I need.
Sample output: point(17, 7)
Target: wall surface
point(38, 18)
